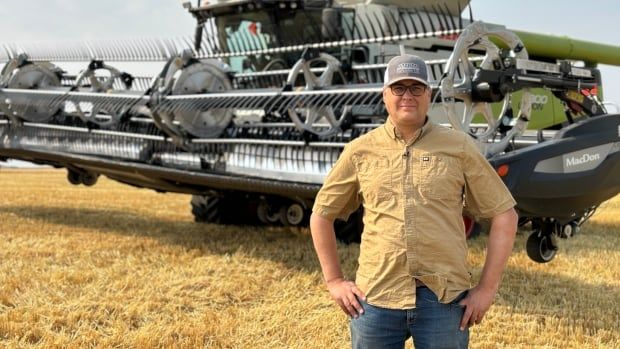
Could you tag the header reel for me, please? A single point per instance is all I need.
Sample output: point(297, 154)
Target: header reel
point(477, 91)
point(88, 79)
point(20, 73)
point(501, 73)
point(185, 75)
point(47, 91)
point(321, 121)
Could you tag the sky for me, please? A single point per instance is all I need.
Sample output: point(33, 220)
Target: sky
point(115, 19)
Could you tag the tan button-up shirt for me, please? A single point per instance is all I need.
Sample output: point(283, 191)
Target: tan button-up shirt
point(413, 196)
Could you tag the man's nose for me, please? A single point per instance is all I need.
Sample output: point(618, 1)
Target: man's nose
point(408, 91)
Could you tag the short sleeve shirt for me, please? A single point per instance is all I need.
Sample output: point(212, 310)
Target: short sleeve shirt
point(413, 197)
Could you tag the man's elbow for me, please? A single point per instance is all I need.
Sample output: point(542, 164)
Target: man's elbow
point(315, 219)
point(318, 223)
point(507, 221)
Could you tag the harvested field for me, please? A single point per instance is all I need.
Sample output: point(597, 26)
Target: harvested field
point(114, 266)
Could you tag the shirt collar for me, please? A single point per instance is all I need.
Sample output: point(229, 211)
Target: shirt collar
point(394, 133)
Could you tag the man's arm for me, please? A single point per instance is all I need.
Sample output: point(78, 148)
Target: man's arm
point(342, 291)
point(499, 247)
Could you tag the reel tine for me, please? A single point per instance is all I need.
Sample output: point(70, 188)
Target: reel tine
point(451, 17)
point(360, 27)
point(441, 16)
point(208, 41)
point(430, 19)
point(141, 49)
point(420, 21)
point(375, 27)
point(377, 31)
point(406, 21)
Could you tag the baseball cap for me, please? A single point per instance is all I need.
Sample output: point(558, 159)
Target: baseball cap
point(405, 67)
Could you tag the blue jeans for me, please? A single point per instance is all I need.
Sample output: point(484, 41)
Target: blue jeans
point(430, 323)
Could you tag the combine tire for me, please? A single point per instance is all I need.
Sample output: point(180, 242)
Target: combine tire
point(225, 208)
point(207, 209)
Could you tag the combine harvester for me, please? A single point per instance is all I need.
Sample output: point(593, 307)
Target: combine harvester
point(249, 115)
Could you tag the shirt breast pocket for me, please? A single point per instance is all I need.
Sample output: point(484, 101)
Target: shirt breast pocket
point(376, 180)
point(441, 177)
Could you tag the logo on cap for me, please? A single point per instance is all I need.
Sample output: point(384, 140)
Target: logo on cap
point(408, 68)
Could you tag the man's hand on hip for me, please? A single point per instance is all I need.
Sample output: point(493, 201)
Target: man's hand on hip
point(476, 304)
point(345, 293)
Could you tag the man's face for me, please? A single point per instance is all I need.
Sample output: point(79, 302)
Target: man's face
point(411, 107)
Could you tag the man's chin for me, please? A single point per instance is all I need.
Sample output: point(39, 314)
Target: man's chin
point(409, 114)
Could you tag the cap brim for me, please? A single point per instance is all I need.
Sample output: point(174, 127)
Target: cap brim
point(407, 78)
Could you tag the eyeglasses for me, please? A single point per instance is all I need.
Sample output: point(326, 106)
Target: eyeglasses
point(415, 90)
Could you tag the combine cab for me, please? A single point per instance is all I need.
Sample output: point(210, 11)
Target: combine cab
point(249, 115)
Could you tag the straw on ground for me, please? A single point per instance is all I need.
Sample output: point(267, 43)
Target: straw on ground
point(114, 266)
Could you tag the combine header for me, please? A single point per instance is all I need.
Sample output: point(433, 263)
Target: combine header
point(250, 114)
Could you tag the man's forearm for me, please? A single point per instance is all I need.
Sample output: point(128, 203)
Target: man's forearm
point(499, 247)
point(344, 293)
point(324, 239)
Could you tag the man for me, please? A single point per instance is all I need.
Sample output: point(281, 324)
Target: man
point(413, 178)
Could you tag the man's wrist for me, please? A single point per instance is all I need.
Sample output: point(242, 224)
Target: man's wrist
point(489, 286)
point(332, 279)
